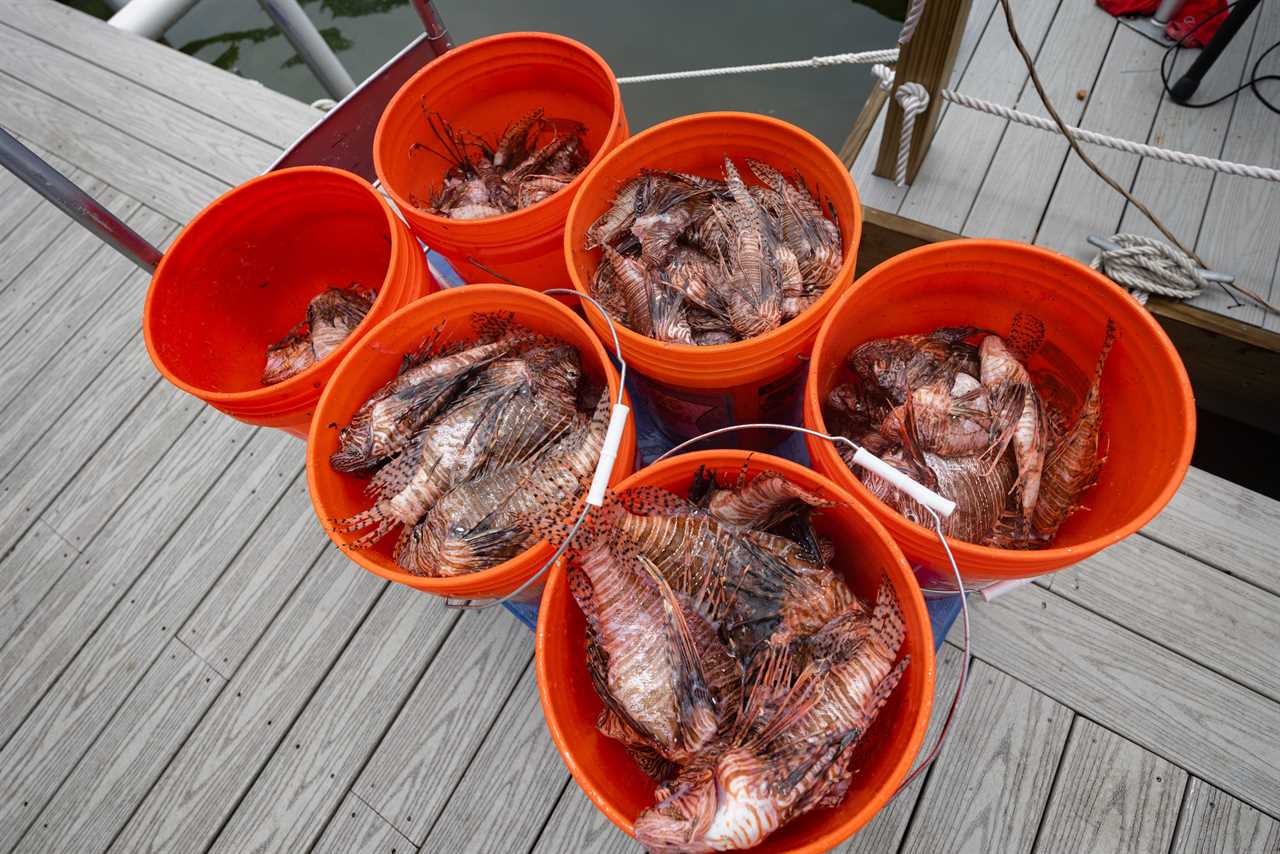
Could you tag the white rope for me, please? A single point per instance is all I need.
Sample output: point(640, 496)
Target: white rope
point(884, 74)
point(1040, 123)
point(863, 58)
point(914, 100)
point(1148, 266)
point(914, 11)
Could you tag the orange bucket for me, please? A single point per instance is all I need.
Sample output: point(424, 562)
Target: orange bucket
point(376, 359)
point(696, 389)
point(482, 87)
point(1148, 413)
point(864, 554)
point(240, 275)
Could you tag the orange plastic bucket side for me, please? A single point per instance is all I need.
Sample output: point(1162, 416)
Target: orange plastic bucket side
point(376, 359)
point(608, 775)
point(1149, 427)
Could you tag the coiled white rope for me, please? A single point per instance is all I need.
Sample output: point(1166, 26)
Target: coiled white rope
point(914, 11)
point(863, 58)
point(913, 98)
point(1148, 266)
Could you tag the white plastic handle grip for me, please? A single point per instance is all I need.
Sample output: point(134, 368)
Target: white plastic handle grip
point(608, 453)
point(942, 506)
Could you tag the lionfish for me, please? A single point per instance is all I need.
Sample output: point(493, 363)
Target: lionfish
point(332, 315)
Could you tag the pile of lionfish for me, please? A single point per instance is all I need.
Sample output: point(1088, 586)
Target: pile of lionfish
point(692, 260)
point(734, 664)
point(332, 315)
point(467, 441)
point(969, 422)
point(535, 157)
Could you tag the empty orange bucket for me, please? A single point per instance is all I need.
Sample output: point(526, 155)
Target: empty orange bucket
point(695, 389)
point(240, 276)
point(482, 87)
point(1148, 413)
point(376, 359)
point(864, 554)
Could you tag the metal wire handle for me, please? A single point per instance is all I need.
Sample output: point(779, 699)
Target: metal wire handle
point(937, 526)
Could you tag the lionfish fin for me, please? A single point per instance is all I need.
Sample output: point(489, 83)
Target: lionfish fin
point(883, 691)
point(887, 624)
point(655, 501)
point(491, 326)
point(1025, 335)
point(1108, 340)
point(424, 352)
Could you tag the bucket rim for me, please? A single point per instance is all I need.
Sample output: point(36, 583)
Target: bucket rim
point(424, 218)
point(634, 344)
point(916, 610)
point(295, 388)
point(486, 579)
point(1007, 564)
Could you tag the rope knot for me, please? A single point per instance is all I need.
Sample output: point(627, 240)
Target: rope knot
point(884, 74)
point(1145, 266)
point(913, 98)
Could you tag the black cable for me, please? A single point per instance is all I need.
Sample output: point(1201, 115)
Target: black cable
point(1251, 83)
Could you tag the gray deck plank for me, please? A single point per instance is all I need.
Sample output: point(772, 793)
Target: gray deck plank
point(512, 785)
point(236, 101)
point(50, 304)
point(159, 180)
point(882, 193)
point(299, 790)
point(1025, 167)
point(991, 783)
point(885, 831)
point(1110, 795)
point(250, 594)
point(93, 681)
point(149, 118)
point(42, 226)
point(1224, 525)
point(1239, 222)
point(1196, 719)
point(1213, 822)
point(27, 571)
point(1217, 621)
point(1122, 105)
point(418, 763)
point(201, 788)
point(577, 825)
point(126, 758)
point(950, 176)
point(356, 827)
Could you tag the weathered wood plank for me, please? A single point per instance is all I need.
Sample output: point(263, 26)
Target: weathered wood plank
point(299, 789)
point(990, 786)
point(410, 776)
point(576, 825)
point(356, 827)
point(1110, 795)
point(1025, 168)
point(885, 831)
point(149, 118)
point(127, 756)
point(236, 101)
point(249, 595)
point(1198, 720)
point(159, 180)
point(200, 789)
point(1217, 621)
point(962, 150)
point(1213, 822)
point(881, 193)
point(511, 787)
point(27, 571)
point(1122, 105)
point(47, 307)
point(91, 684)
point(1223, 525)
point(41, 227)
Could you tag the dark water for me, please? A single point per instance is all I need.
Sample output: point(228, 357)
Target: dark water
point(635, 38)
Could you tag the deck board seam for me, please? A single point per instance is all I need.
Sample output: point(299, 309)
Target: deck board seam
point(1201, 559)
point(1180, 821)
point(555, 805)
point(1057, 774)
point(353, 793)
point(142, 84)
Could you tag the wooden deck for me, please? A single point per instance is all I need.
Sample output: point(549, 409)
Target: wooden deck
point(185, 665)
point(986, 177)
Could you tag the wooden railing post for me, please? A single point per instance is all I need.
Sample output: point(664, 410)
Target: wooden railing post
point(927, 59)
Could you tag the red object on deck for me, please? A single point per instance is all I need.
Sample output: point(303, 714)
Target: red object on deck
point(1197, 21)
point(1126, 8)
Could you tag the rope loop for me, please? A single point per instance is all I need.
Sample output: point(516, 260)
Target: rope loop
point(913, 98)
point(884, 74)
point(1145, 266)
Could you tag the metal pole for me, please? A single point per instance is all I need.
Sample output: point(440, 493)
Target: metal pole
point(1186, 85)
point(150, 18)
point(76, 203)
point(310, 45)
point(437, 33)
